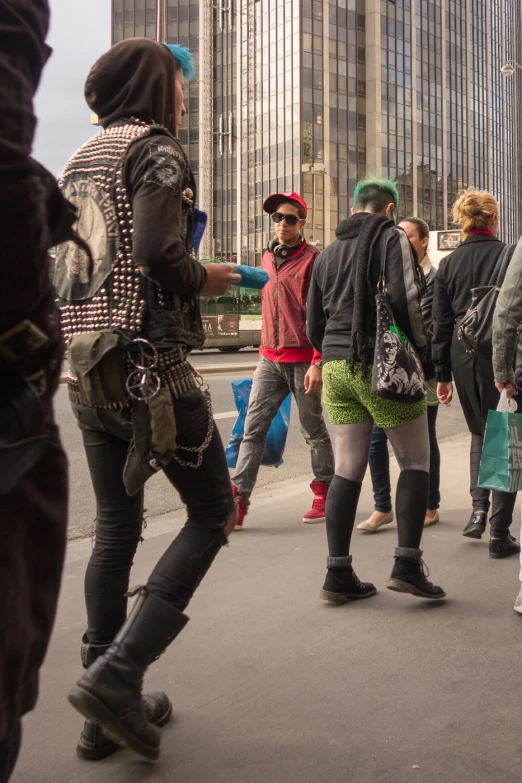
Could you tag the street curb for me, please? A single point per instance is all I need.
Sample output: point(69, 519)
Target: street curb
point(207, 369)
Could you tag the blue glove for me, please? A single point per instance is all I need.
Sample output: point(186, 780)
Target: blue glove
point(252, 277)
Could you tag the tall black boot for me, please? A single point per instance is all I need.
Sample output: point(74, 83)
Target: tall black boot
point(411, 503)
point(109, 693)
point(93, 745)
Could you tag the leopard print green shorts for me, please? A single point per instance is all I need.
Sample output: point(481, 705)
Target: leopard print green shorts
point(349, 399)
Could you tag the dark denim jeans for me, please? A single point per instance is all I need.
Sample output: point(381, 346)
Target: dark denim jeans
point(380, 466)
point(206, 492)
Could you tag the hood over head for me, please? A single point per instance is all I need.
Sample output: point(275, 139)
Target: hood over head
point(133, 79)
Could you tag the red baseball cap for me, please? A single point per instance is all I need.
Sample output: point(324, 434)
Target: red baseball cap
point(289, 195)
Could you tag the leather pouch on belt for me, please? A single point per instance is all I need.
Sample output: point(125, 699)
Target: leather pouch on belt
point(154, 441)
point(97, 361)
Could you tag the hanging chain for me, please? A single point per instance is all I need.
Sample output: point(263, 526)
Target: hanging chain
point(199, 450)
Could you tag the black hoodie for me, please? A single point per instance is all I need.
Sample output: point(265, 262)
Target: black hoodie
point(135, 79)
point(331, 296)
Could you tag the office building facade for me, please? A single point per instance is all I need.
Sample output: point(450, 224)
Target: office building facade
point(312, 95)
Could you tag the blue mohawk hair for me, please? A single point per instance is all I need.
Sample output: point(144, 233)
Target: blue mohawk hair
point(184, 59)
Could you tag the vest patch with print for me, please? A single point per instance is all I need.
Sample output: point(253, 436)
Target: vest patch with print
point(166, 167)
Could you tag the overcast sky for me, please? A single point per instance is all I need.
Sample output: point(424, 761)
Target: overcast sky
point(80, 32)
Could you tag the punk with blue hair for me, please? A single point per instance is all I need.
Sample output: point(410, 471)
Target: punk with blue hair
point(184, 59)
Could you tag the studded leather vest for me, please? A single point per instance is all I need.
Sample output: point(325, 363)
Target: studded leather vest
point(109, 293)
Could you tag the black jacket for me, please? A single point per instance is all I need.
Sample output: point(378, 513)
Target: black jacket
point(427, 300)
point(162, 244)
point(330, 298)
point(135, 78)
point(469, 266)
point(34, 514)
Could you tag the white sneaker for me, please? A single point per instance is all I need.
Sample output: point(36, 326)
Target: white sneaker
point(518, 603)
point(377, 520)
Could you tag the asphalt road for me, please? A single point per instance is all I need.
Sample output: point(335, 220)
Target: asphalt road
point(160, 497)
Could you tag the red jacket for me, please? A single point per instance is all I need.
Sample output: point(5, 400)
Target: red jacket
point(283, 335)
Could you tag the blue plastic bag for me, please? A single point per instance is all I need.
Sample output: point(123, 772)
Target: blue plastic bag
point(199, 223)
point(276, 439)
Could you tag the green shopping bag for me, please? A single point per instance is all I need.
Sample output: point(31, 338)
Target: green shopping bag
point(501, 461)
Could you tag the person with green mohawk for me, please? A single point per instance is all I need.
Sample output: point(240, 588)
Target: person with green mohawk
point(130, 316)
point(342, 324)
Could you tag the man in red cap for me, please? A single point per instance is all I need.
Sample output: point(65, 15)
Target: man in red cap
point(287, 363)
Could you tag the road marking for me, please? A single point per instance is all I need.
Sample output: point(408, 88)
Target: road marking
point(226, 415)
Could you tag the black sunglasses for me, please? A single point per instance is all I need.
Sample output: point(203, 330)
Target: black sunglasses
point(291, 220)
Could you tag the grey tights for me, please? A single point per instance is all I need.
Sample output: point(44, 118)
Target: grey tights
point(410, 443)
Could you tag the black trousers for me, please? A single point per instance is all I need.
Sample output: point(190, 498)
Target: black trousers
point(475, 384)
point(502, 503)
point(206, 492)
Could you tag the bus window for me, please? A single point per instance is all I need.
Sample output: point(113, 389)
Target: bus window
point(250, 302)
point(220, 317)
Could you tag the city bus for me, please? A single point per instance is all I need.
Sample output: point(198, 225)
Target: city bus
point(232, 321)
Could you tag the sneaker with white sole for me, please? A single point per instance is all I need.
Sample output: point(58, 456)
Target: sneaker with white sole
point(377, 520)
point(518, 603)
point(242, 508)
point(318, 511)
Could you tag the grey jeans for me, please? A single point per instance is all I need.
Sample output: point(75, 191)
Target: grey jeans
point(272, 383)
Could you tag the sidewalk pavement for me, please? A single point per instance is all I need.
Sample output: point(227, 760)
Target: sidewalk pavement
point(272, 685)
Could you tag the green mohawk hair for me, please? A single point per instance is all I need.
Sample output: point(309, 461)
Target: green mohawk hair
point(379, 183)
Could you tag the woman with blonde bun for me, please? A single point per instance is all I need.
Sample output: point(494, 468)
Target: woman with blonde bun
point(472, 265)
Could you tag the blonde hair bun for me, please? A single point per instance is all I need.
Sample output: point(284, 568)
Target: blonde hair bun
point(474, 209)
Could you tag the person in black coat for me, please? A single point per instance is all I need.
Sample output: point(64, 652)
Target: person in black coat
point(33, 477)
point(471, 265)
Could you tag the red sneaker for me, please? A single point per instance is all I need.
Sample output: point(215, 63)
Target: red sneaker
point(242, 508)
point(318, 511)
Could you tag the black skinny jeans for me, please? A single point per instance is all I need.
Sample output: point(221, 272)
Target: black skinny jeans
point(206, 492)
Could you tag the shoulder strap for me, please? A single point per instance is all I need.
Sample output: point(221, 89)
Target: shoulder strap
point(494, 279)
point(385, 238)
point(508, 251)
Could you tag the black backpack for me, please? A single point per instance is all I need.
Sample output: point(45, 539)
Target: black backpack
point(475, 329)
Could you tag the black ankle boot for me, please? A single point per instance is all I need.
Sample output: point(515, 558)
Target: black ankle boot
point(503, 547)
point(109, 693)
point(408, 575)
point(93, 745)
point(476, 526)
point(342, 583)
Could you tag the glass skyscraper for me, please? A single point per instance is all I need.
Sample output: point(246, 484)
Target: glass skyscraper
point(312, 95)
